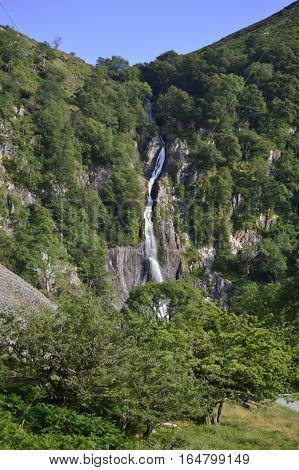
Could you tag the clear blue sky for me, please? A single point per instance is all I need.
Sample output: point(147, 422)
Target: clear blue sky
point(138, 30)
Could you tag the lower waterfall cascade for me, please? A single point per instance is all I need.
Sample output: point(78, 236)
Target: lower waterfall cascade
point(154, 272)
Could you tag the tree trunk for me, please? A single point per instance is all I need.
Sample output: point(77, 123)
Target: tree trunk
point(207, 419)
point(219, 411)
point(148, 431)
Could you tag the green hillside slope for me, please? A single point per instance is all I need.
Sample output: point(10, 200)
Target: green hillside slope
point(74, 161)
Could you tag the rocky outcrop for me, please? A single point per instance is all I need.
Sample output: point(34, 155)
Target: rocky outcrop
point(127, 265)
point(243, 238)
point(152, 151)
point(98, 177)
point(266, 221)
point(19, 111)
point(237, 202)
point(169, 242)
point(177, 162)
point(172, 244)
point(16, 294)
point(7, 150)
point(25, 196)
point(275, 155)
point(218, 287)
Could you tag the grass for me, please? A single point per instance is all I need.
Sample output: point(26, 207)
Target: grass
point(271, 427)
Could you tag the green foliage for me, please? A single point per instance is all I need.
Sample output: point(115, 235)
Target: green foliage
point(240, 98)
point(37, 245)
point(234, 357)
point(252, 106)
point(71, 368)
point(71, 187)
point(41, 426)
point(175, 107)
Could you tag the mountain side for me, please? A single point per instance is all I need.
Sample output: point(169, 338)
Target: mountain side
point(229, 114)
point(78, 142)
point(81, 150)
point(69, 164)
point(281, 22)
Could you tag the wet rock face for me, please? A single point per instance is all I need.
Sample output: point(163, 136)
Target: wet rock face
point(153, 150)
point(127, 265)
point(27, 199)
point(237, 202)
point(169, 242)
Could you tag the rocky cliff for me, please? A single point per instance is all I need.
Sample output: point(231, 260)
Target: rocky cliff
point(127, 265)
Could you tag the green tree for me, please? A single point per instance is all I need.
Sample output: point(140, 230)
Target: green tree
point(252, 106)
point(176, 108)
point(235, 357)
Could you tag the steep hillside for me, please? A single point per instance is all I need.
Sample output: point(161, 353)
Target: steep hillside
point(75, 143)
point(16, 294)
point(228, 197)
point(69, 164)
point(282, 23)
point(81, 154)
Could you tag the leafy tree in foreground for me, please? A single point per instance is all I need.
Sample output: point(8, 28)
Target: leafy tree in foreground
point(235, 357)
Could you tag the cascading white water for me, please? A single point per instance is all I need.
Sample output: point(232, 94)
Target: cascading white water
point(154, 271)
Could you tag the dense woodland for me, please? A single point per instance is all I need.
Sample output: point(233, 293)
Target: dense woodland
point(88, 375)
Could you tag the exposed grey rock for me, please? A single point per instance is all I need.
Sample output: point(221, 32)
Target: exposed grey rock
point(19, 111)
point(148, 108)
point(275, 155)
point(84, 179)
point(27, 199)
point(237, 201)
point(218, 286)
point(168, 239)
point(266, 221)
point(206, 256)
point(10, 187)
point(177, 161)
point(153, 149)
point(243, 238)
point(7, 150)
point(127, 265)
point(15, 294)
point(71, 273)
point(206, 132)
point(98, 177)
point(221, 288)
point(6, 226)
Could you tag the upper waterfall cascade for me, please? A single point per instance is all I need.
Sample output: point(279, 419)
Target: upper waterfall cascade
point(154, 272)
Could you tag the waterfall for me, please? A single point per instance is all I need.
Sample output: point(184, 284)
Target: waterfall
point(154, 270)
